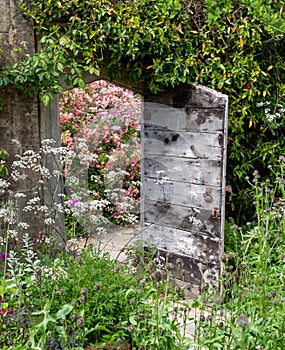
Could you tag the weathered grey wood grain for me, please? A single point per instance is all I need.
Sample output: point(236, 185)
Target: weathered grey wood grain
point(183, 177)
point(180, 193)
point(185, 218)
point(182, 144)
point(190, 95)
point(203, 248)
point(191, 270)
point(197, 171)
point(184, 119)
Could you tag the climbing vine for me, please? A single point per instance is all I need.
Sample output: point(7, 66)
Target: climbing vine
point(236, 47)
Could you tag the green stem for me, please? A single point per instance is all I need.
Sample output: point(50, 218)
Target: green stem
point(5, 264)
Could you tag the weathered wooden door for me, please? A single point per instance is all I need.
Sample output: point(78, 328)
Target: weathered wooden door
point(183, 178)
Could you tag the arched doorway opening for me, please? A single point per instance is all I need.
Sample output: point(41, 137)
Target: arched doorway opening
point(100, 126)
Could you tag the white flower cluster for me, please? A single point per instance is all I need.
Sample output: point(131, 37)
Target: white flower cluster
point(270, 115)
point(4, 184)
point(34, 205)
point(97, 205)
point(88, 209)
point(162, 180)
point(192, 218)
point(129, 218)
point(118, 175)
point(19, 195)
point(95, 179)
point(23, 225)
point(7, 213)
point(72, 180)
point(87, 158)
point(52, 273)
point(29, 161)
point(10, 234)
point(18, 176)
point(49, 221)
point(47, 145)
point(58, 207)
point(118, 197)
point(93, 222)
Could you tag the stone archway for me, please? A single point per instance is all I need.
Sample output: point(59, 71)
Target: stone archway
point(183, 153)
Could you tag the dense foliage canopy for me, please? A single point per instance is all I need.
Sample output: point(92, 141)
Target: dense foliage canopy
point(233, 46)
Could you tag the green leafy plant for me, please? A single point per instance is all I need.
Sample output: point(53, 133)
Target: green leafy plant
point(249, 314)
point(79, 300)
point(3, 165)
point(65, 297)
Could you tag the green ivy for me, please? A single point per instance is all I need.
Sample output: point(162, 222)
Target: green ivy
point(242, 52)
point(3, 166)
point(236, 47)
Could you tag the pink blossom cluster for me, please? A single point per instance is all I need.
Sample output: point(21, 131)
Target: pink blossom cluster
point(4, 311)
point(101, 124)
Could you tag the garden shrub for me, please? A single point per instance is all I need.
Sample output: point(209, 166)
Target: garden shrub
point(56, 296)
point(101, 124)
point(250, 312)
point(84, 299)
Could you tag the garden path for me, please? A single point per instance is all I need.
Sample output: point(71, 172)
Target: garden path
point(114, 241)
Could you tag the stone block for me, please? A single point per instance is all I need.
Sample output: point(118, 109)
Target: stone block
point(5, 16)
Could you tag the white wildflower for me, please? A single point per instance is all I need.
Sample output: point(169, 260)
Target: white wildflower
point(59, 207)
point(57, 173)
point(4, 184)
point(23, 225)
point(49, 221)
point(162, 180)
point(17, 176)
point(43, 209)
point(13, 234)
point(16, 142)
point(19, 195)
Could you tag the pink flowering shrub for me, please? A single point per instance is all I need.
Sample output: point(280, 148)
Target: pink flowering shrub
point(100, 126)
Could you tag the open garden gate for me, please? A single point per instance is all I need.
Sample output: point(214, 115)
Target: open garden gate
point(184, 138)
point(183, 155)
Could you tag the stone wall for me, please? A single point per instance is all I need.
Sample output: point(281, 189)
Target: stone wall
point(22, 117)
point(19, 118)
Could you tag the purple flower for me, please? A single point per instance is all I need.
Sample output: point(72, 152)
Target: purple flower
point(6, 312)
point(4, 256)
point(73, 202)
point(116, 128)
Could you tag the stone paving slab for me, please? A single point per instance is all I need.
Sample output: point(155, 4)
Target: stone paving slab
point(114, 241)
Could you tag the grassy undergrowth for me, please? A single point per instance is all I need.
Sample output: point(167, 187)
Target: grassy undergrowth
point(54, 298)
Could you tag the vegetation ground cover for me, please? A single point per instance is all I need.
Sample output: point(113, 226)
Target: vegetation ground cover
point(234, 47)
point(55, 299)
